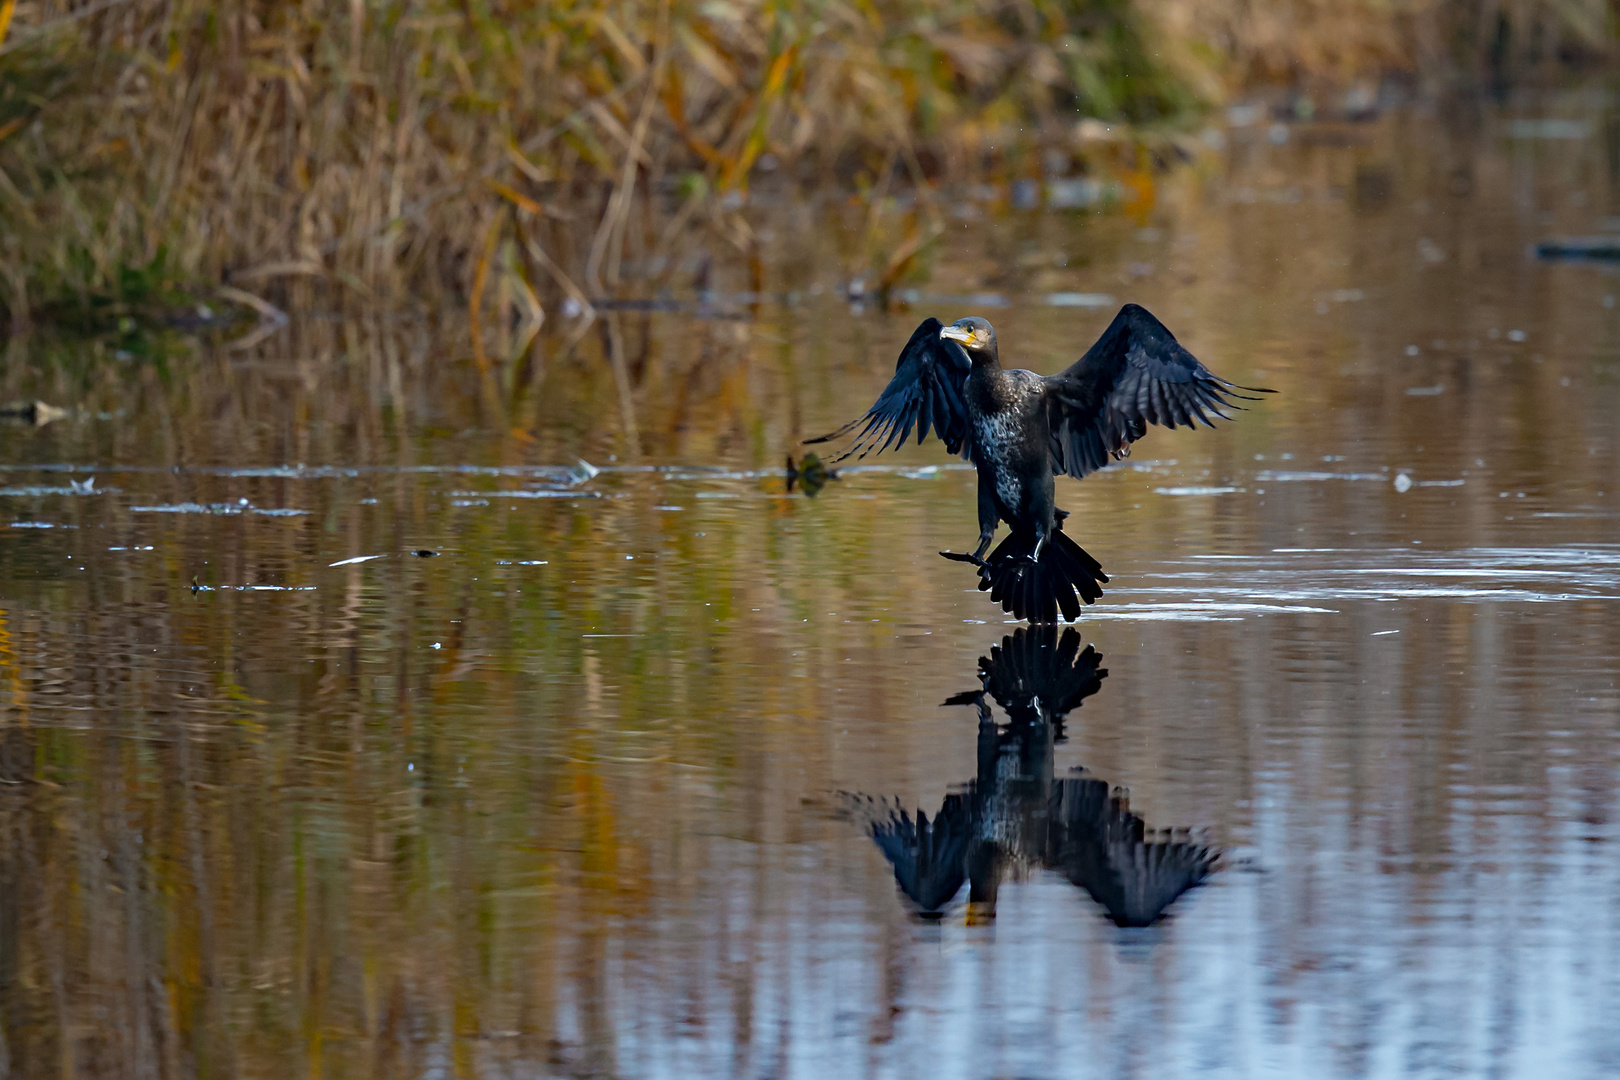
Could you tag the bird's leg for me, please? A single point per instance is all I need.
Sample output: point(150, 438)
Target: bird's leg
point(1046, 519)
point(977, 558)
point(984, 544)
point(988, 520)
point(1040, 543)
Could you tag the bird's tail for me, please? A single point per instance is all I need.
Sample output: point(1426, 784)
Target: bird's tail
point(1037, 591)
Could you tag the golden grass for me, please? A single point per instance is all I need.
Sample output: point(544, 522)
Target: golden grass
point(490, 159)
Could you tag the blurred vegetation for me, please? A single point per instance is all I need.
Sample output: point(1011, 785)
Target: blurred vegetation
point(362, 151)
point(497, 159)
point(1446, 43)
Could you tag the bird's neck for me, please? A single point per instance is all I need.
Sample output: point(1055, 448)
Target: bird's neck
point(986, 358)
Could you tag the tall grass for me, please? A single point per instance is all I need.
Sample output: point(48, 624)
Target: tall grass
point(492, 155)
point(499, 159)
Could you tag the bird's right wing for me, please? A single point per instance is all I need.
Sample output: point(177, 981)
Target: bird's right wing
point(926, 391)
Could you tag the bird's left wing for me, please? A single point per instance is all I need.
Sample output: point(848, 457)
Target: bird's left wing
point(926, 391)
point(1136, 374)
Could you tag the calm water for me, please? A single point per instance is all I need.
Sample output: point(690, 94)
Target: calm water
point(592, 792)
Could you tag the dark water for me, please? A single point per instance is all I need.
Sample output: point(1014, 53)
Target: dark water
point(590, 792)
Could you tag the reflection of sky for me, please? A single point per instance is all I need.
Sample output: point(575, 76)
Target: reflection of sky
point(1489, 967)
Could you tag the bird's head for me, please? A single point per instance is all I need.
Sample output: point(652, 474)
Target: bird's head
point(974, 334)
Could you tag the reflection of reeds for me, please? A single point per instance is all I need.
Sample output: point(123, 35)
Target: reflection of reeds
point(1466, 41)
point(489, 158)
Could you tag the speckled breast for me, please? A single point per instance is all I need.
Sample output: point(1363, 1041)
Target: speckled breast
point(996, 439)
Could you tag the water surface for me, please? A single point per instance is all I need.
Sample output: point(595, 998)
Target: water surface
point(591, 790)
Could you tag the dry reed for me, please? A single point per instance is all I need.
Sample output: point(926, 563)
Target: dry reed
point(499, 159)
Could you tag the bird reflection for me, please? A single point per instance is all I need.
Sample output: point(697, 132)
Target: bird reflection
point(1015, 815)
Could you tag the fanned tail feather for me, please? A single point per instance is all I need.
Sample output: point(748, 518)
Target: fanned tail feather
point(1065, 577)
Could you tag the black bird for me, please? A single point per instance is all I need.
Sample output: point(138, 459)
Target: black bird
point(1016, 815)
point(1021, 429)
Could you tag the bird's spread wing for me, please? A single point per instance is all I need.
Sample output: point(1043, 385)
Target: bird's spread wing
point(926, 391)
point(1101, 846)
point(928, 857)
point(1136, 374)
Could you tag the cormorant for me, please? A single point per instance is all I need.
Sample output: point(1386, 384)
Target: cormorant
point(1017, 815)
point(1020, 429)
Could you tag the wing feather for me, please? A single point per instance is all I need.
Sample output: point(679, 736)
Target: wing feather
point(925, 393)
point(925, 413)
point(1136, 374)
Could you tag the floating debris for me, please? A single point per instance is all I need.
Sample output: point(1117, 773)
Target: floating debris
point(83, 487)
point(37, 413)
point(582, 471)
point(425, 553)
point(1403, 483)
point(810, 474)
point(1593, 248)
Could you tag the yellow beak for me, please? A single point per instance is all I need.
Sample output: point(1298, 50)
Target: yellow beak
point(956, 333)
